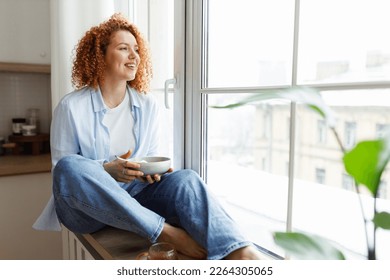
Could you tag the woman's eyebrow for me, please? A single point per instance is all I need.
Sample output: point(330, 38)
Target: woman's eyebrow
point(127, 44)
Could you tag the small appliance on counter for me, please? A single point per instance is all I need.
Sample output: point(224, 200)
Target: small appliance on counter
point(32, 121)
point(29, 130)
point(17, 124)
point(26, 137)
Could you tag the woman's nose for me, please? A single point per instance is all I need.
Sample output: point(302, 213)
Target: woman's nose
point(132, 54)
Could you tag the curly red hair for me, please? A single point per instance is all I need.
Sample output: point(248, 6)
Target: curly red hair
point(89, 65)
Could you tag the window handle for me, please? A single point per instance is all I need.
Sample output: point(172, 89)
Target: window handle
point(166, 88)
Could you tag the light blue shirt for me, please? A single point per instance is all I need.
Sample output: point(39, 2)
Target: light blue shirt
point(77, 128)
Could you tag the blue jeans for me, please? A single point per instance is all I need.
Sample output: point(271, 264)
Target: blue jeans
point(87, 199)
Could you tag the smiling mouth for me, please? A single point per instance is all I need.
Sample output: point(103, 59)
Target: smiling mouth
point(131, 66)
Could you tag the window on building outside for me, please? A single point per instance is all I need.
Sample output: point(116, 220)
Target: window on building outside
point(350, 134)
point(382, 129)
point(347, 183)
point(320, 175)
point(322, 131)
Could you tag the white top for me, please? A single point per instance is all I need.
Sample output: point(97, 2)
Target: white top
point(120, 123)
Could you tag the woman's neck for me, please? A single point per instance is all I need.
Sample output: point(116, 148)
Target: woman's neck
point(113, 94)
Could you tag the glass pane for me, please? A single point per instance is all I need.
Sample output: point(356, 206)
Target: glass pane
point(166, 124)
point(161, 41)
point(324, 194)
point(247, 164)
point(343, 41)
point(250, 42)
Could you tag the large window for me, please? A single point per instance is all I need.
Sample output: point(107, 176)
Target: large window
point(161, 21)
point(240, 47)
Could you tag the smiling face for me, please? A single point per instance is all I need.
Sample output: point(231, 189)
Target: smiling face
point(121, 58)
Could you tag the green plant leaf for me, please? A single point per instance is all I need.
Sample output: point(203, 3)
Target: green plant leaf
point(382, 220)
point(261, 96)
point(312, 99)
point(304, 95)
point(366, 162)
point(307, 247)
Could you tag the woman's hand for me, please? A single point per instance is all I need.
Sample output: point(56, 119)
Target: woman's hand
point(153, 178)
point(126, 171)
point(122, 170)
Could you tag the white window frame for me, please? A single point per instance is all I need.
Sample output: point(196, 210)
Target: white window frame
point(195, 102)
point(196, 94)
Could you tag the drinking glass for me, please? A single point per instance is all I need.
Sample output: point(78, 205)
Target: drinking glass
point(162, 251)
point(159, 251)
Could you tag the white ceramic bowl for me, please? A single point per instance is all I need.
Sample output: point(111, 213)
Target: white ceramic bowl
point(153, 165)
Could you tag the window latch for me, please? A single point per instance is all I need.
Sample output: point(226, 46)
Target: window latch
point(166, 88)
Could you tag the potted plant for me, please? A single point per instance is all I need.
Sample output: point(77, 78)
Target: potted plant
point(365, 163)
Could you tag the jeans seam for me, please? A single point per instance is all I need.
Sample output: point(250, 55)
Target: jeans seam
point(157, 233)
point(230, 249)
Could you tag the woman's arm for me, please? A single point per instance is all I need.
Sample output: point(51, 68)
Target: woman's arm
point(63, 135)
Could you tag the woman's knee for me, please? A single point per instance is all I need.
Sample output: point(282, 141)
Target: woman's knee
point(74, 164)
point(67, 163)
point(187, 174)
point(72, 170)
point(186, 180)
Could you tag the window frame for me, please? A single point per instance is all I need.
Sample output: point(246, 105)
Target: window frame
point(196, 95)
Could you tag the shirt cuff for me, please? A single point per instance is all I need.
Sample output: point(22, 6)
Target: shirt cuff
point(102, 161)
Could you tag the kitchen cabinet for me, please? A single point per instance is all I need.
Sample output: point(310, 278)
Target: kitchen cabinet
point(25, 31)
point(22, 198)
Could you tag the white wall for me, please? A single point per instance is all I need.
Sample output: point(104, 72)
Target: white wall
point(25, 31)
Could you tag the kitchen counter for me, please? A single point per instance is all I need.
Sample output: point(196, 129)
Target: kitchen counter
point(25, 68)
point(24, 164)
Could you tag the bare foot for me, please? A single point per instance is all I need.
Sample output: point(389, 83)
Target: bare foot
point(245, 253)
point(182, 242)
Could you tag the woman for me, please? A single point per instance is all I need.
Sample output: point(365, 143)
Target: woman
point(109, 114)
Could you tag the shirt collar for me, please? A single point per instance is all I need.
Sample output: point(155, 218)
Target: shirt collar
point(98, 102)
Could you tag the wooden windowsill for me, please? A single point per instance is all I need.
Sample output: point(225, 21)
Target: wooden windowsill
point(116, 244)
point(25, 67)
